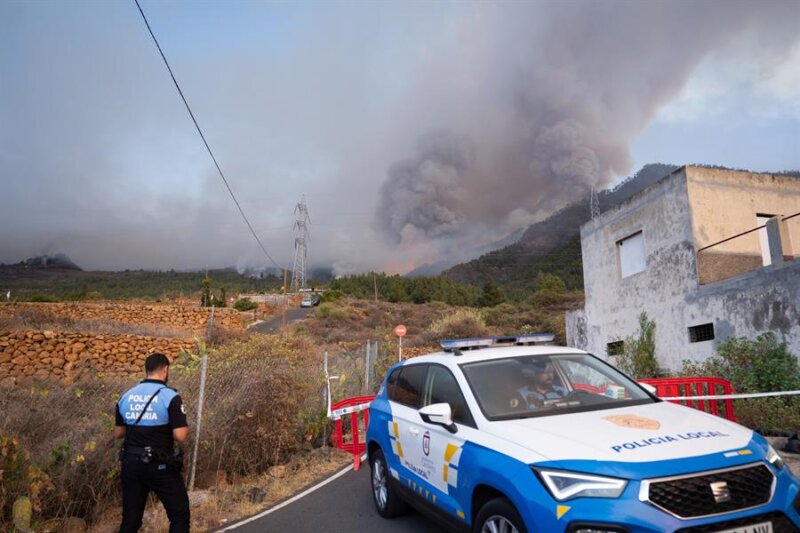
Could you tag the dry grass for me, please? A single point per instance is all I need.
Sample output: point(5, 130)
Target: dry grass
point(225, 503)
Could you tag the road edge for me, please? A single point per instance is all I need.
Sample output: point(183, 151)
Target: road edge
point(291, 500)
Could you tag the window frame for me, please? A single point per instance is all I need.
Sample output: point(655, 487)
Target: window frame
point(421, 391)
point(693, 333)
point(427, 390)
point(620, 244)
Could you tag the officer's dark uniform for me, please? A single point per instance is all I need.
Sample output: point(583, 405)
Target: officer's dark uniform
point(144, 470)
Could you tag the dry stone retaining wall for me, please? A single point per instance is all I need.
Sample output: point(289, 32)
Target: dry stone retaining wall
point(193, 319)
point(27, 356)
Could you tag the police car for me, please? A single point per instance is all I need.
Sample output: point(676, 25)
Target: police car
point(505, 434)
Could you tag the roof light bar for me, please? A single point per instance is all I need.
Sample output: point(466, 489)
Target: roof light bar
point(452, 345)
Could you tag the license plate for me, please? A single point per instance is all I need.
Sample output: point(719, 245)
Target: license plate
point(763, 527)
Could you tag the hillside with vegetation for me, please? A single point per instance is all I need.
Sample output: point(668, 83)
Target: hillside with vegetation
point(553, 245)
point(28, 283)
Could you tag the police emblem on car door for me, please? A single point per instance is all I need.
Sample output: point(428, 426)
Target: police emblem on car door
point(426, 443)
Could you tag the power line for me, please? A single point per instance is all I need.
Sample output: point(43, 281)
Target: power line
point(196, 125)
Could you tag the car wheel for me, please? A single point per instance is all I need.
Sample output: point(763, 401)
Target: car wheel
point(499, 516)
point(387, 501)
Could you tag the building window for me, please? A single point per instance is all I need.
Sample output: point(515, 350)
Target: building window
point(615, 348)
point(631, 254)
point(701, 333)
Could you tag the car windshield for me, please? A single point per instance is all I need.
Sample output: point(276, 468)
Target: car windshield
point(545, 385)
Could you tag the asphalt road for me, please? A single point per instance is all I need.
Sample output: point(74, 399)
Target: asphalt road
point(345, 505)
point(273, 325)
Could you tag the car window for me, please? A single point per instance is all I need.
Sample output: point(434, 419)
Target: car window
point(544, 385)
point(390, 382)
point(442, 387)
point(408, 387)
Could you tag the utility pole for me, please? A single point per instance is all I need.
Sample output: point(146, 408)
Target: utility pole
point(301, 237)
point(594, 203)
point(285, 298)
point(375, 284)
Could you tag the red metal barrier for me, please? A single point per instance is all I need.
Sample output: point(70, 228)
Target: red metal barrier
point(352, 407)
point(697, 386)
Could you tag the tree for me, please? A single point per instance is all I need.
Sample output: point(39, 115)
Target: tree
point(205, 297)
point(549, 283)
point(492, 295)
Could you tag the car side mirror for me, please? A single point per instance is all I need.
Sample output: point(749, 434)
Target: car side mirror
point(439, 414)
point(649, 388)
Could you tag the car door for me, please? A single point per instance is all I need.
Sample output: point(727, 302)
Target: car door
point(405, 428)
point(441, 449)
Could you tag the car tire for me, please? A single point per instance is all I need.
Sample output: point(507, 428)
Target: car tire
point(499, 515)
point(387, 501)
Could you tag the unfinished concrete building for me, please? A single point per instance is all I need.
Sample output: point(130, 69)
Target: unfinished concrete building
point(707, 253)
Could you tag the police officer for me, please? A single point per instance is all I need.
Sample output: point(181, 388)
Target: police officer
point(541, 388)
point(151, 417)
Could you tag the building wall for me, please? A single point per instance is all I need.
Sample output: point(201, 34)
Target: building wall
point(724, 204)
point(687, 210)
point(613, 304)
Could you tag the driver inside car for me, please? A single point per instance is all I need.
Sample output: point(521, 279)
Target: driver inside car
point(540, 387)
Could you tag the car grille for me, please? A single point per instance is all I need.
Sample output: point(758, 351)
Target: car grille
point(780, 524)
point(692, 496)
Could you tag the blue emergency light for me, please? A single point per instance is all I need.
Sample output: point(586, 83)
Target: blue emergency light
point(456, 345)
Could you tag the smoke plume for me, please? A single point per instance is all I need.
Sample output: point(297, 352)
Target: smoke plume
point(544, 100)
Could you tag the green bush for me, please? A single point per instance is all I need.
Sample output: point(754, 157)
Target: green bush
point(330, 311)
point(639, 355)
point(245, 304)
point(760, 365)
point(331, 296)
point(549, 283)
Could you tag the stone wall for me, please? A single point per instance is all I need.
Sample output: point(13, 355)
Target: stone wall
point(192, 319)
point(27, 356)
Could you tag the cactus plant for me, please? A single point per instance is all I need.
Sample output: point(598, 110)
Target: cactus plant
point(22, 512)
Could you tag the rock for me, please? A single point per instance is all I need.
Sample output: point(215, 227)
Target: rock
point(78, 347)
point(49, 334)
point(278, 471)
point(256, 495)
point(21, 360)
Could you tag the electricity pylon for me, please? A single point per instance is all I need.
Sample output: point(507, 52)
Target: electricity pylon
point(301, 238)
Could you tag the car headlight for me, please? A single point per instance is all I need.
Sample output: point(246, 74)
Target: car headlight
point(566, 485)
point(774, 458)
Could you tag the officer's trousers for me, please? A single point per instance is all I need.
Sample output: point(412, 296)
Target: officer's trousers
point(138, 479)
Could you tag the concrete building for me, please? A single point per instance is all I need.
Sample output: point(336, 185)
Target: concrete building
point(707, 253)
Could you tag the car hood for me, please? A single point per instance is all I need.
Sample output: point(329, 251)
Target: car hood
point(643, 433)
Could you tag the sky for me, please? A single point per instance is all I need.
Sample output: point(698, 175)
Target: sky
point(417, 132)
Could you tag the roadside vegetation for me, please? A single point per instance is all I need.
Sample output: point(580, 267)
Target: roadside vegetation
point(763, 364)
point(262, 414)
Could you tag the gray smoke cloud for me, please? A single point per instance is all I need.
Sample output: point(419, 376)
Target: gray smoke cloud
point(418, 131)
point(563, 88)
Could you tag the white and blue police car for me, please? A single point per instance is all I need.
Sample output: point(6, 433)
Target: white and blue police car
point(522, 437)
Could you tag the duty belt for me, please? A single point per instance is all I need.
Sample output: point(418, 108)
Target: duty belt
point(159, 454)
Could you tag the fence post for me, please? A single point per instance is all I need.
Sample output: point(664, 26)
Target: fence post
point(366, 366)
point(210, 324)
point(200, 398)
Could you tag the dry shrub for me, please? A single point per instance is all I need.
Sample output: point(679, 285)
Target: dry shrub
point(262, 405)
point(262, 395)
point(65, 460)
point(463, 323)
